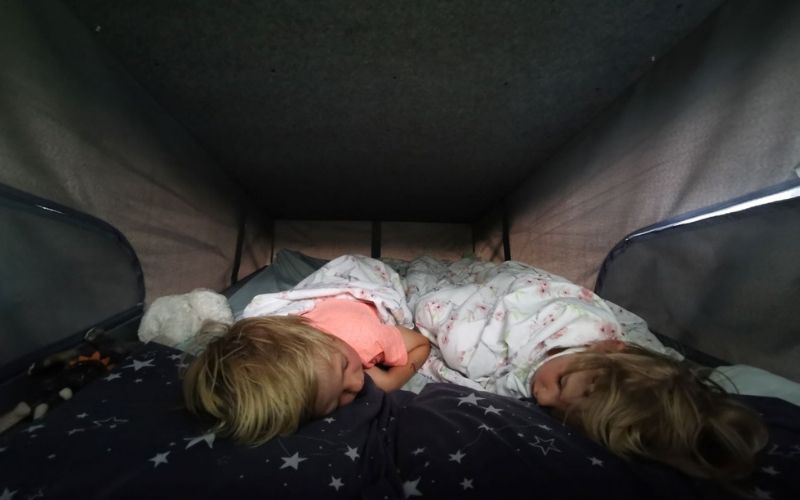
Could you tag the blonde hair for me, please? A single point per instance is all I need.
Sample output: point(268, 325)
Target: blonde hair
point(648, 405)
point(258, 379)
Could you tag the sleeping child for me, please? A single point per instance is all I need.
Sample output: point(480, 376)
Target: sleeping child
point(301, 354)
point(519, 331)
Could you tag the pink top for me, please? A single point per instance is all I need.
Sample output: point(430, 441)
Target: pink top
point(358, 324)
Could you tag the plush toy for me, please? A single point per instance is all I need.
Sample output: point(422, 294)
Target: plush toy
point(175, 320)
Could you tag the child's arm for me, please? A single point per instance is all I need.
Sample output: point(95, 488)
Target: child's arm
point(418, 348)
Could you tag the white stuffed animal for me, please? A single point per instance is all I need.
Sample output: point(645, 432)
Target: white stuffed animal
point(174, 320)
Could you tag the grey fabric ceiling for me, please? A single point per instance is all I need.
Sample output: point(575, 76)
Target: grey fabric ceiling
point(398, 110)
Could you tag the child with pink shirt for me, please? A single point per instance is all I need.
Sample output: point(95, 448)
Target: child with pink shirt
point(301, 354)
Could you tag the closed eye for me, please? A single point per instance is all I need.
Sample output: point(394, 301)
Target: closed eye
point(590, 388)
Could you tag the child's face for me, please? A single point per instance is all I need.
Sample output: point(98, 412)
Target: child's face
point(553, 387)
point(339, 380)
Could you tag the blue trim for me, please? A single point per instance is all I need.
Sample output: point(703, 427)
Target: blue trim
point(681, 220)
point(673, 221)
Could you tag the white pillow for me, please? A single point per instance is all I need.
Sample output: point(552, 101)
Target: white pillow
point(744, 379)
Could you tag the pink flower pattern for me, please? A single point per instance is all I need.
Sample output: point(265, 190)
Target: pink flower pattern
point(492, 322)
point(522, 313)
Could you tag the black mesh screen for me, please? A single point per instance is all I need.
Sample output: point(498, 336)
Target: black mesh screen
point(62, 272)
point(728, 285)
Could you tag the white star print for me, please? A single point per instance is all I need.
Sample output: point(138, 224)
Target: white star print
point(492, 409)
point(542, 426)
point(766, 495)
point(208, 438)
point(175, 357)
point(787, 454)
point(457, 456)
point(410, 488)
point(418, 451)
point(548, 442)
point(292, 461)
point(484, 426)
point(137, 365)
point(51, 456)
point(595, 461)
point(467, 484)
point(7, 495)
point(330, 420)
point(772, 471)
point(160, 458)
point(33, 428)
point(112, 421)
point(352, 453)
point(336, 483)
point(471, 399)
point(82, 415)
point(112, 376)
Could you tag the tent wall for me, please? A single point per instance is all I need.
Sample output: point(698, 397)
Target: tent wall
point(75, 128)
point(714, 119)
point(398, 240)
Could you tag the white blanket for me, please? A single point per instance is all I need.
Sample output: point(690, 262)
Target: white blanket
point(493, 324)
point(490, 324)
point(350, 277)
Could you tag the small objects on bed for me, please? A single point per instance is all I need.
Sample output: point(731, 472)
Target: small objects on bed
point(57, 377)
point(13, 417)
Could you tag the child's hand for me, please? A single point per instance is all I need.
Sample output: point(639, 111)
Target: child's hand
point(392, 379)
point(380, 377)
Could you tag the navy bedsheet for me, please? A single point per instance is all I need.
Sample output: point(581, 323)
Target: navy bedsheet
point(127, 436)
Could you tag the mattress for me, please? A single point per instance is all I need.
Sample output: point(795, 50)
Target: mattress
point(127, 435)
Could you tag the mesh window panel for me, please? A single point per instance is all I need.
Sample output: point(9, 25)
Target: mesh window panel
point(724, 281)
point(62, 273)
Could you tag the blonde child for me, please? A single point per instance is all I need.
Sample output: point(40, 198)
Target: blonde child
point(520, 331)
point(265, 376)
point(639, 403)
point(302, 353)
